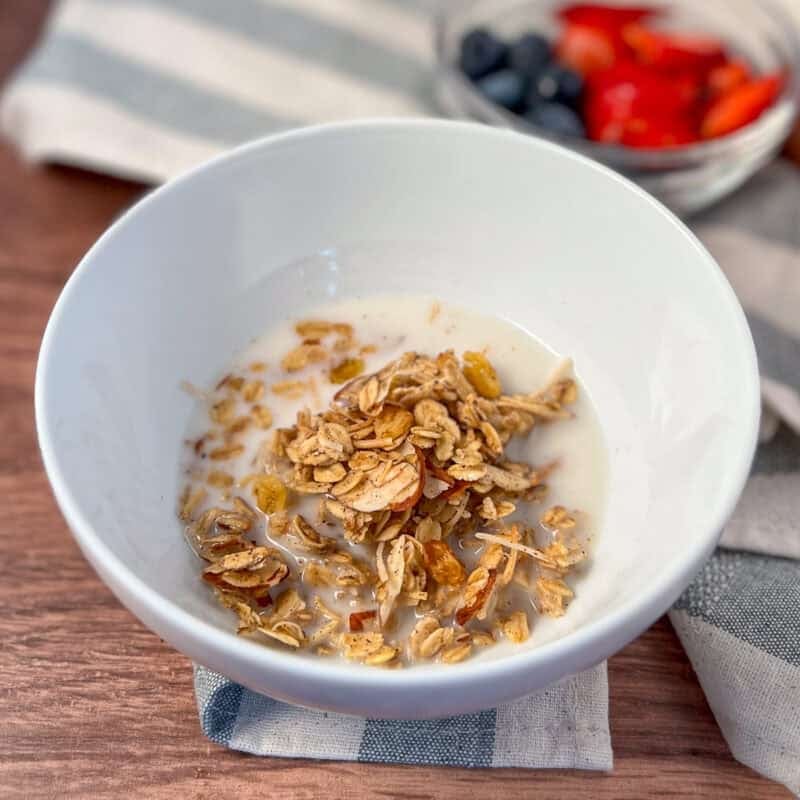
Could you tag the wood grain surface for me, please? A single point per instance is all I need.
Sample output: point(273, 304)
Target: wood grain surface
point(92, 705)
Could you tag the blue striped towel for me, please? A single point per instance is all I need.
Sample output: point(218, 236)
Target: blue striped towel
point(148, 88)
point(564, 726)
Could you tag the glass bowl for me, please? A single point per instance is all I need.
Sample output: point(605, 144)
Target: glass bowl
point(686, 178)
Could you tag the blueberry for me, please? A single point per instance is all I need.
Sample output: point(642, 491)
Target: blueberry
point(556, 118)
point(530, 54)
point(481, 53)
point(558, 84)
point(505, 87)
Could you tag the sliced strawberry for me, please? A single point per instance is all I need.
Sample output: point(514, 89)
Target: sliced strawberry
point(658, 132)
point(585, 49)
point(728, 76)
point(688, 86)
point(634, 107)
point(644, 89)
point(606, 17)
point(670, 51)
point(740, 106)
point(629, 91)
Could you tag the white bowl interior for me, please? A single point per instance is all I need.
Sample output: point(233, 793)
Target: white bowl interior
point(485, 219)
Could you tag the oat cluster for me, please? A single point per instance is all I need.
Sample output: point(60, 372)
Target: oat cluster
point(413, 495)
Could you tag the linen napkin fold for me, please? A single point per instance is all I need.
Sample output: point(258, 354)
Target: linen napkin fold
point(739, 621)
point(565, 725)
point(147, 88)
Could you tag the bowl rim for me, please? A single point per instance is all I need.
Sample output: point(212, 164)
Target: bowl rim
point(638, 158)
point(630, 618)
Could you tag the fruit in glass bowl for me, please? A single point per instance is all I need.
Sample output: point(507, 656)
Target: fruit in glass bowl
point(617, 75)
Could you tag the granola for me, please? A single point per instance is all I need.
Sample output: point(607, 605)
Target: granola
point(390, 525)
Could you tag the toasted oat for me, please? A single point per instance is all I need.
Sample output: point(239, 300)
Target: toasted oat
point(306, 354)
point(285, 631)
point(325, 633)
point(558, 518)
point(457, 652)
point(409, 464)
point(318, 329)
point(279, 523)
point(291, 389)
point(428, 530)
point(553, 595)
point(288, 604)
point(190, 502)
point(316, 574)
point(482, 638)
point(233, 522)
point(222, 411)
point(361, 645)
point(252, 391)
point(238, 425)
point(262, 416)
point(324, 610)
point(223, 544)
point(256, 570)
point(428, 637)
point(307, 537)
point(515, 627)
point(382, 657)
point(226, 452)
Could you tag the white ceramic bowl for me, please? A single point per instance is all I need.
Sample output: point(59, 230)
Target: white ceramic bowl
point(484, 218)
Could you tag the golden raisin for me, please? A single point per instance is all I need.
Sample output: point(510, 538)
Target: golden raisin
point(346, 370)
point(442, 564)
point(270, 494)
point(479, 371)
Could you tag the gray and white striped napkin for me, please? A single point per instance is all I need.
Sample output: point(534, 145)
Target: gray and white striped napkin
point(147, 88)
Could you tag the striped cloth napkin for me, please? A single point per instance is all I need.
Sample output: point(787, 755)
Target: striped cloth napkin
point(148, 88)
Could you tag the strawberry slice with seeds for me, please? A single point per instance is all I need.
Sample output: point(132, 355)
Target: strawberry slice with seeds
point(740, 106)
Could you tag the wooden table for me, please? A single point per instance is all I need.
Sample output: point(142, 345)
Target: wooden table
point(93, 705)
